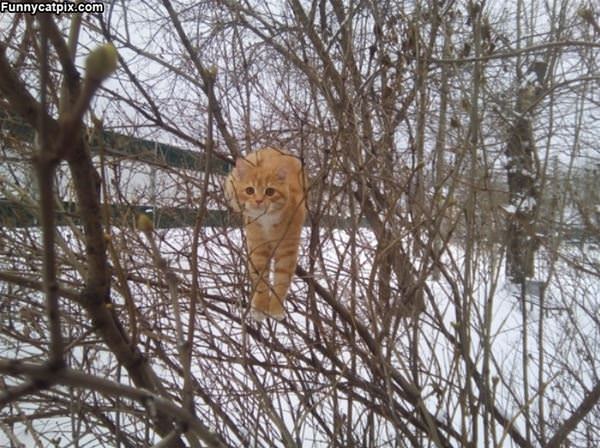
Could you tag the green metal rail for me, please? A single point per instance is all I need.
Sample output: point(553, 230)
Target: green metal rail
point(13, 214)
point(18, 215)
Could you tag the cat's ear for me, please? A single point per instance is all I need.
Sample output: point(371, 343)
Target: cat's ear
point(282, 173)
point(241, 166)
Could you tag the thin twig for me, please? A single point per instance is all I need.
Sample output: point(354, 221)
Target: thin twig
point(183, 345)
point(11, 394)
point(208, 81)
point(74, 378)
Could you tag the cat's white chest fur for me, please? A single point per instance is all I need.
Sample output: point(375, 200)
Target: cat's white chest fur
point(266, 220)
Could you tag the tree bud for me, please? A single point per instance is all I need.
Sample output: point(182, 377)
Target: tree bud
point(101, 62)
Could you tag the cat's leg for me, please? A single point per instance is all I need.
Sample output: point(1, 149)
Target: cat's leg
point(258, 266)
point(285, 257)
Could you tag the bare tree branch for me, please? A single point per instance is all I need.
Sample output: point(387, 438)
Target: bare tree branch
point(585, 407)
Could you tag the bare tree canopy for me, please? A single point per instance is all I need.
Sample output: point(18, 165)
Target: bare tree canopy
point(447, 292)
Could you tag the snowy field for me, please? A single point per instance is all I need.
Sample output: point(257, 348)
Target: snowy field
point(301, 375)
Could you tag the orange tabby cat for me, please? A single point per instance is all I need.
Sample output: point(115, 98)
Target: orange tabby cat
point(267, 187)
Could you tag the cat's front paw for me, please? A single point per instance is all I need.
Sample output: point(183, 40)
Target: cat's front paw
point(276, 310)
point(278, 316)
point(257, 315)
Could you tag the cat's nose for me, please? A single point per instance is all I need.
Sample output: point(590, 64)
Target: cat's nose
point(259, 201)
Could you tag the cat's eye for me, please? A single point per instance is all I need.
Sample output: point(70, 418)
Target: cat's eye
point(250, 190)
point(269, 191)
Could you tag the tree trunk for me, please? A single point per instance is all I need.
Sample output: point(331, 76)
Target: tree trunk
point(522, 172)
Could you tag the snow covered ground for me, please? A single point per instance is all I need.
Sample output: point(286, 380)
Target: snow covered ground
point(316, 368)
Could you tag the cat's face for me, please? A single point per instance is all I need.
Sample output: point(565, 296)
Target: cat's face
point(260, 191)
